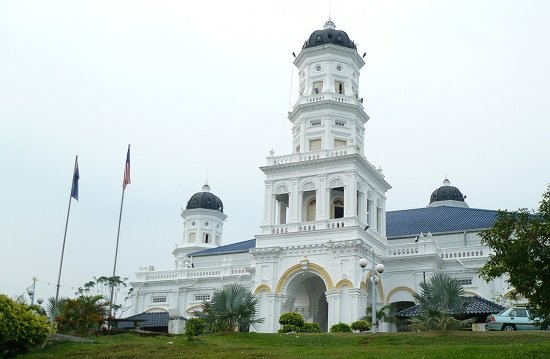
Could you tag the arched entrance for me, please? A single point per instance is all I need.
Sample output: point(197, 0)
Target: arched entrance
point(306, 295)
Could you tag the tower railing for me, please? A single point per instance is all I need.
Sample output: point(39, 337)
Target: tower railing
point(312, 155)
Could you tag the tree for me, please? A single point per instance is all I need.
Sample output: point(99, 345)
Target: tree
point(385, 314)
point(82, 316)
point(441, 305)
point(232, 307)
point(102, 286)
point(520, 241)
point(21, 327)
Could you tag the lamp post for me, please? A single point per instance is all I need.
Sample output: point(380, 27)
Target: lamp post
point(31, 290)
point(373, 278)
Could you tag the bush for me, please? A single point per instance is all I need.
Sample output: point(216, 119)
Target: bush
point(194, 327)
point(311, 328)
point(340, 328)
point(360, 326)
point(288, 328)
point(20, 327)
point(291, 318)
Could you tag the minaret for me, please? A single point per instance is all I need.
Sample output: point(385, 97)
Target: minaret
point(329, 112)
point(327, 181)
point(203, 220)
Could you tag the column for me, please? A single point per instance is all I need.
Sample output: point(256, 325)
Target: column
point(350, 195)
point(267, 204)
point(322, 200)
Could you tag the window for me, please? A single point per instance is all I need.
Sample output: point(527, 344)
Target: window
point(339, 87)
point(159, 299)
point(201, 297)
point(340, 123)
point(192, 237)
point(315, 145)
point(465, 281)
point(298, 148)
point(316, 123)
point(206, 238)
point(318, 87)
point(339, 143)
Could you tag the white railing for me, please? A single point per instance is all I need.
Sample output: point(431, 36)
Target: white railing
point(191, 273)
point(423, 248)
point(313, 155)
point(328, 96)
point(461, 253)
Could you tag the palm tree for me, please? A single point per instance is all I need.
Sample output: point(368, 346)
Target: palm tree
point(384, 314)
point(440, 303)
point(231, 308)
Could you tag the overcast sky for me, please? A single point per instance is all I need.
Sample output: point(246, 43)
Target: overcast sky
point(202, 89)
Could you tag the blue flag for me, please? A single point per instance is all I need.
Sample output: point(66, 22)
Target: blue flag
point(76, 177)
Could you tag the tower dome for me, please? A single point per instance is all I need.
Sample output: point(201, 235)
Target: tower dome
point(205, 199)
point(329, 35)
point(447, 195)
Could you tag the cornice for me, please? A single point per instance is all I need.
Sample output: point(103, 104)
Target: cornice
point(329, 49)
point(323, 163)
point(328, 104)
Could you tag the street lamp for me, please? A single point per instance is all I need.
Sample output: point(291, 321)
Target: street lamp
point(374, 279)
point(31, 290)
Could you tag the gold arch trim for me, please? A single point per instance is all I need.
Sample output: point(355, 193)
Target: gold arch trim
point(192, 308)
point(342, 283)
point(300, 267)
point(397, 289)
point(262, 288)
point(156, 310)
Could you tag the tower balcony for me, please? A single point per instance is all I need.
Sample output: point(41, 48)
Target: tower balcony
point(313, 155)
point(327, 224)
point(352, 100)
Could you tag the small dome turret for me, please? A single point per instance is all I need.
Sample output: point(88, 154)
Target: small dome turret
point(205, 199)
point(447, 195)
point(329, 35)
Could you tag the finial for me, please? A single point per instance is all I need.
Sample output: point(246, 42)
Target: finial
point(329, 24)
point(206, 188)
point(446, 182)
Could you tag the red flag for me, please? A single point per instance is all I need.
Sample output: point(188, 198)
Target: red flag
point(126, 180)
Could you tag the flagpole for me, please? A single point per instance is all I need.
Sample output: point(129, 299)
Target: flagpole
point(65, 237)
point(126, 181)
point(116, 255)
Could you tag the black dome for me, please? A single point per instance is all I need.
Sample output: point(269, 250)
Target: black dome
point(446, 193)
point(205, 200)
point(329, 35)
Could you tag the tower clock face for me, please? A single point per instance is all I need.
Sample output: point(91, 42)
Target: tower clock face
point(318, 67)
point(339, 68)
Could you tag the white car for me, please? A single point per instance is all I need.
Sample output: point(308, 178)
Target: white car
point(514, 318)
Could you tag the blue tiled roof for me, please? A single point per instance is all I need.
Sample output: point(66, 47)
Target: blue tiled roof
point(476, 305)
point(147, 320)
point(410, 222)
point(229, 248)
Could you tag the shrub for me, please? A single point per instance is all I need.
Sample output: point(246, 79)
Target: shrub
point(360, 326)
point(311, 328)
point(194, 327)
point(291, 318)
point(340, 328)
point(20, 327)
point(288, 328)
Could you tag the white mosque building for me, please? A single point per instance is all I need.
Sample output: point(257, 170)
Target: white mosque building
point(324, 210)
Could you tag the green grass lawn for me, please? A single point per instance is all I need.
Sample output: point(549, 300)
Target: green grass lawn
point(454, 345)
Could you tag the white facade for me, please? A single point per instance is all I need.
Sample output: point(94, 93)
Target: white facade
point(324, 209)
